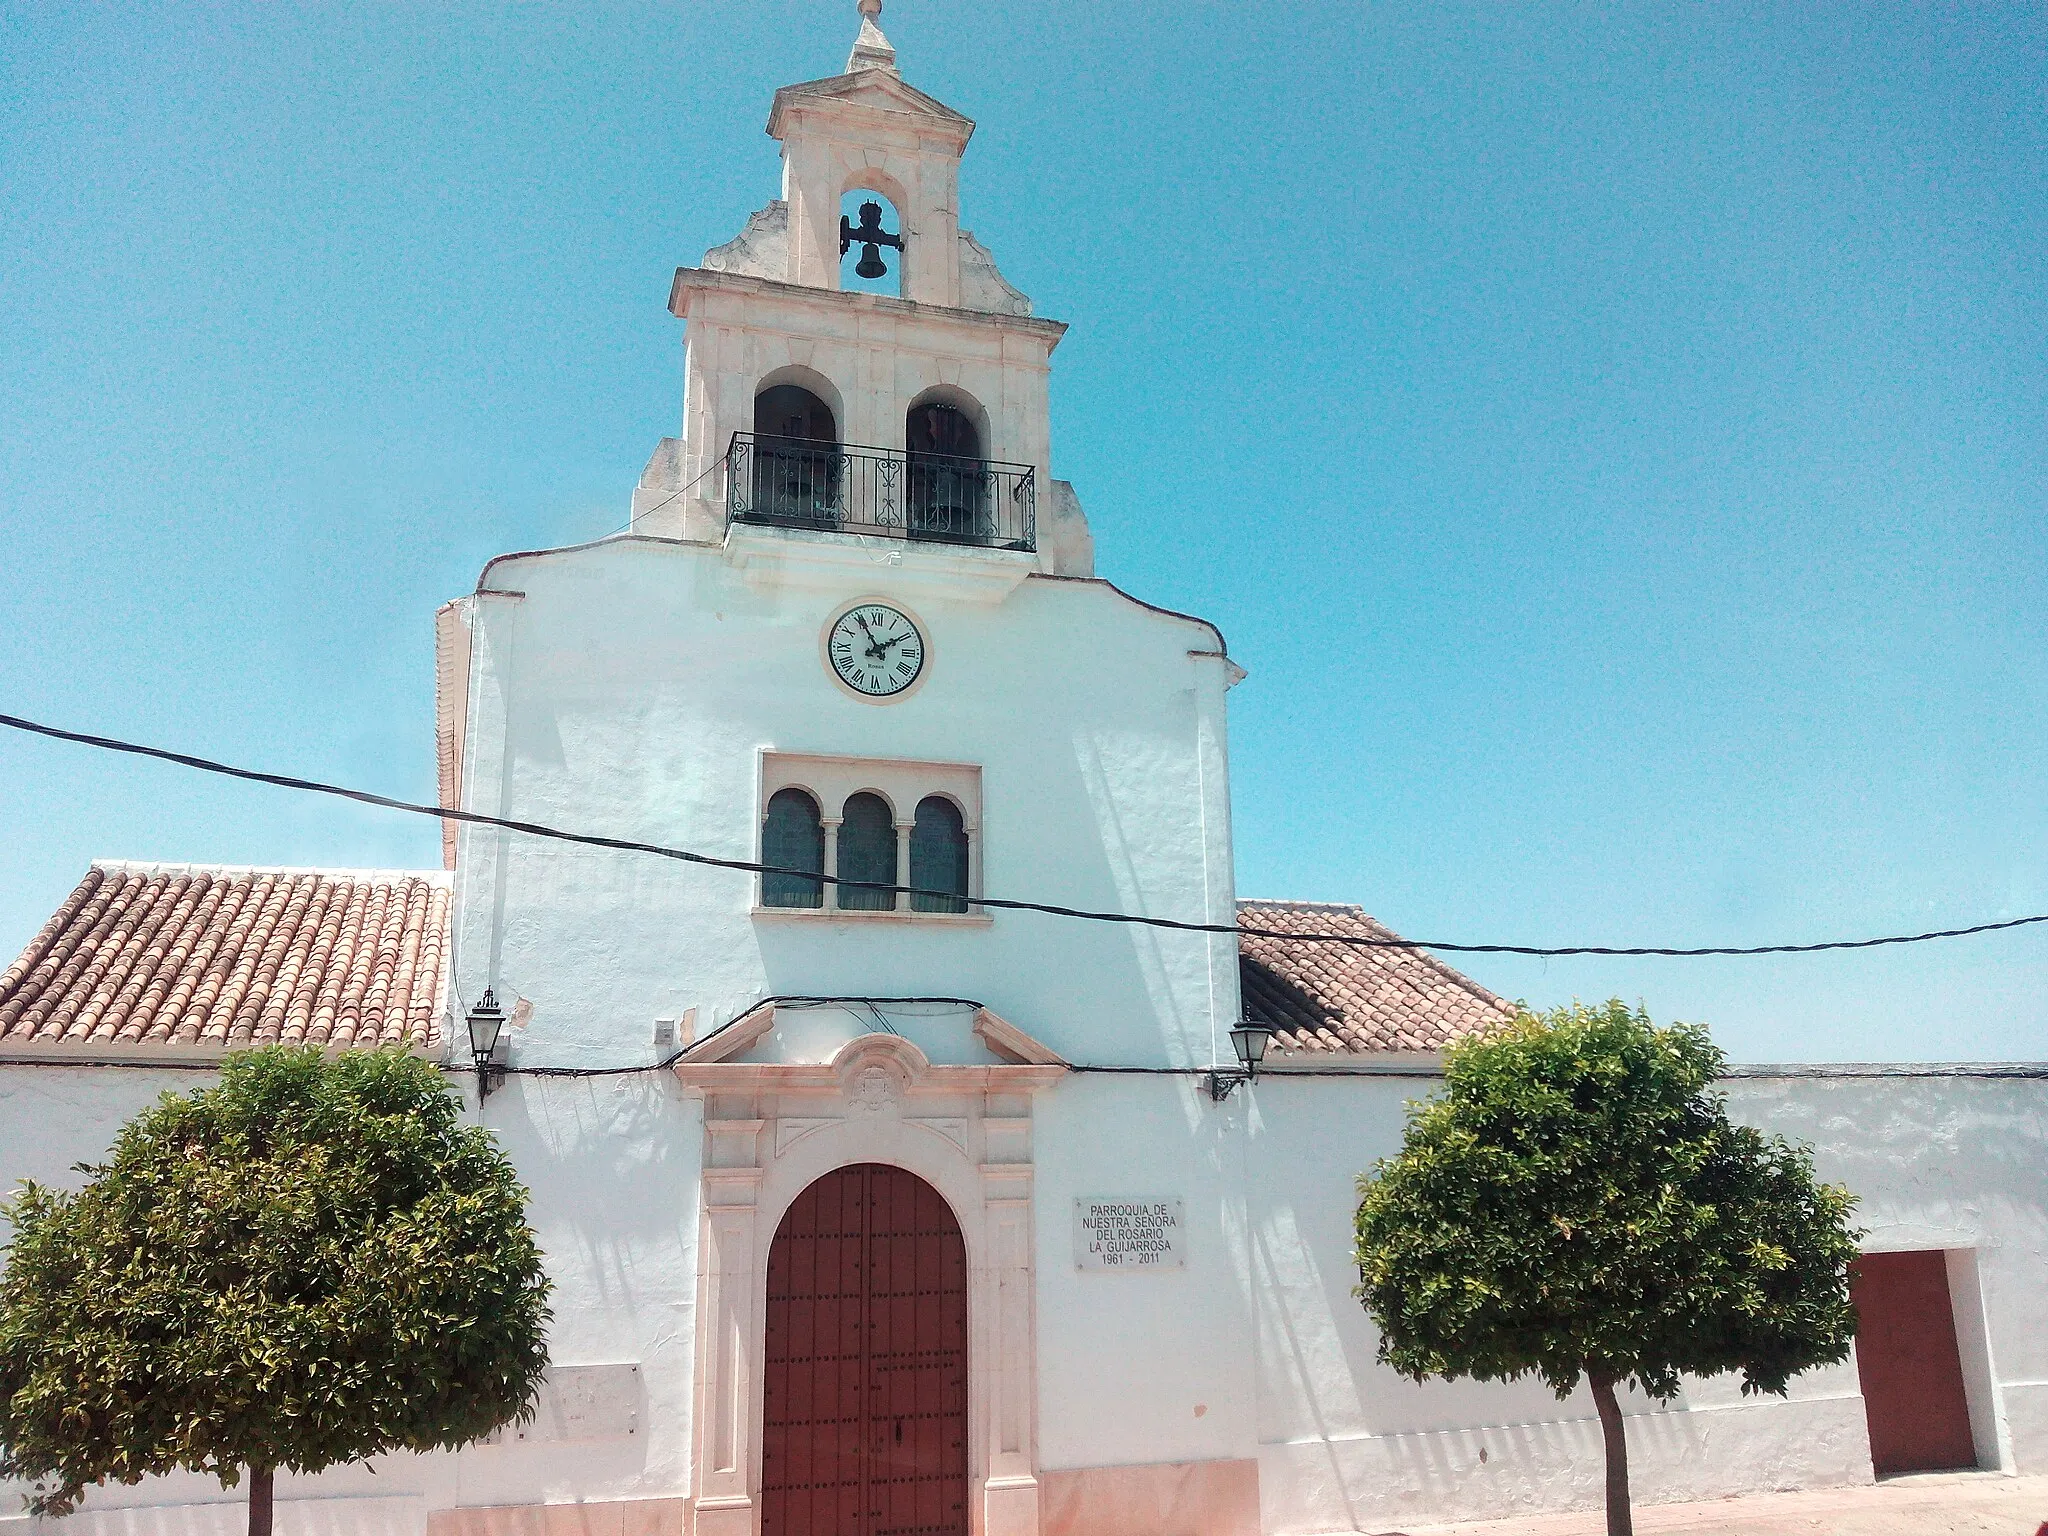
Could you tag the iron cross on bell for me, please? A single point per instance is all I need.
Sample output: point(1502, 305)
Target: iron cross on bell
point(870, 235)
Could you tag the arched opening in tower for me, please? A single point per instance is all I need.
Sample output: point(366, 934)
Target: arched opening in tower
point(871, 243)
point(796, 472)
point(948, 489)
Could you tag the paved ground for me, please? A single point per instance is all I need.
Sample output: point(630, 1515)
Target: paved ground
point(1935, 1504)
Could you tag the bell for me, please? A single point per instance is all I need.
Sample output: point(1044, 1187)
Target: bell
point(870, 263)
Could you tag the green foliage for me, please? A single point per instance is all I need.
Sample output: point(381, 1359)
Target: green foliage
point(1577, 1201)
point(310, 1263)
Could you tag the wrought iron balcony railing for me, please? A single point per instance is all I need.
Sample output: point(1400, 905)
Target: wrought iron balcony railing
point(792, 482)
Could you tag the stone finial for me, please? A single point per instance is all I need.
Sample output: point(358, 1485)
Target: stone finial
point(871, 50)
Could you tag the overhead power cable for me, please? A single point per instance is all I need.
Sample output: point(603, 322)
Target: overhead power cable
point(1005, 904)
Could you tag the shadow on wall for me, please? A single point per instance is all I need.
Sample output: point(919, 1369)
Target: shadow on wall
point(1880, 1135)
point(1504, 1471)
point(1938, 1162)
point(612, 1166)
point(1347, 1443)
point(213, 1513)
point(610, 1175)
point(1320, 1373)
point(1368, 1448)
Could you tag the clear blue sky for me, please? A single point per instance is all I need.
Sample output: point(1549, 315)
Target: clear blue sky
point(1611, 436)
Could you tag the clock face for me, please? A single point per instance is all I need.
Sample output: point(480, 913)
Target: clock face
point(875, 650)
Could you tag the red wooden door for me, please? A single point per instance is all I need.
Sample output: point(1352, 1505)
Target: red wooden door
point(1906, 1359)
point(865, 1386)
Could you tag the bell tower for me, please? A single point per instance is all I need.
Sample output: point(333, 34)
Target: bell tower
point(866, 129)
point(823, 423)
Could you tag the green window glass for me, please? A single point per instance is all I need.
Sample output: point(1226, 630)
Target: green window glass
point(793, 838)
point(867, 851)
point(938, 856)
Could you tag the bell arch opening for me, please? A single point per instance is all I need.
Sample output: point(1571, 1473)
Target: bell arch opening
point(864, 1380)
point(872, 255)
point(796, 475)
point(948, 485)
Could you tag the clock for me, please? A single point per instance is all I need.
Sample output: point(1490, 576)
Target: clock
point(875, 650)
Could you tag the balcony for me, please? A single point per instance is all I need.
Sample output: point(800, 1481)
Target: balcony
point(793, 482)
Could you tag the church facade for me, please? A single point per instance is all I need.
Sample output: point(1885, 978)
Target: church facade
point(873, 1205)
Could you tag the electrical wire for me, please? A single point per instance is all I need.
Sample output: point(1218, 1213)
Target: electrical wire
point(1051, 909)
point(2027, 1070)
point(873, 1006)
point(633, 519)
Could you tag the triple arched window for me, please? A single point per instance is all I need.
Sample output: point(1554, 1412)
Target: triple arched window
point(869, 853)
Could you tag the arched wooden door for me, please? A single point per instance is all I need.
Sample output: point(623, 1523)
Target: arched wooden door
point(865, 1371)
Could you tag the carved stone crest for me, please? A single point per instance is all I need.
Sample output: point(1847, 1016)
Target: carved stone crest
point(876, 1071)
point(874, 1092)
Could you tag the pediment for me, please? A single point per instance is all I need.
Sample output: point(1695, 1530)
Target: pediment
point(1009, 1045)
point(1007, 1040)
point(873, 89)
point(729, 1040)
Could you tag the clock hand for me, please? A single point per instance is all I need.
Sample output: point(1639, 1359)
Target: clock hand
point(874, 651)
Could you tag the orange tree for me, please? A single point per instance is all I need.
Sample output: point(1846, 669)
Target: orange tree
point(312, 1262)
point(1577, 1206)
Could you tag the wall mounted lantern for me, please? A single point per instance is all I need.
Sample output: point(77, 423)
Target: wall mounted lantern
point(1249, 1039)
point(486, 1020)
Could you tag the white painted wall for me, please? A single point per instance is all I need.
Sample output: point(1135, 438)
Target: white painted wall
point(1257, 1348)
point(630, 690)
point(1344, 1442)
point(1957, 1164)
point(1144, 1367)
point(612, 1164)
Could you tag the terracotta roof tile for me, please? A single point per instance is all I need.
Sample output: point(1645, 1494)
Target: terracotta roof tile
point(174, 955)
point(1344, 998)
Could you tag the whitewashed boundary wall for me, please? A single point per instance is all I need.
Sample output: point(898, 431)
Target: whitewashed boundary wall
point(612, 1166)
point(1941, 1160)
point(1234, 1392)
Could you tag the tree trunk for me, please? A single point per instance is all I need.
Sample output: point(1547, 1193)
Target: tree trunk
point(261, 1480)
point(1619, 1522)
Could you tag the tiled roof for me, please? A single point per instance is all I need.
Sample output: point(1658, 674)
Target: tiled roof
point(1340, 997)
point(211, 959)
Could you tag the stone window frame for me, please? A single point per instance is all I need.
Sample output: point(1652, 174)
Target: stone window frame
point(830, 779)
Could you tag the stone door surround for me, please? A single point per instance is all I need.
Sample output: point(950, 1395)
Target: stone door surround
point(770, 1130)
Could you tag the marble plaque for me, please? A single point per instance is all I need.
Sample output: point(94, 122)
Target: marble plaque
point(584, 1402)
point(1129, 1234)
